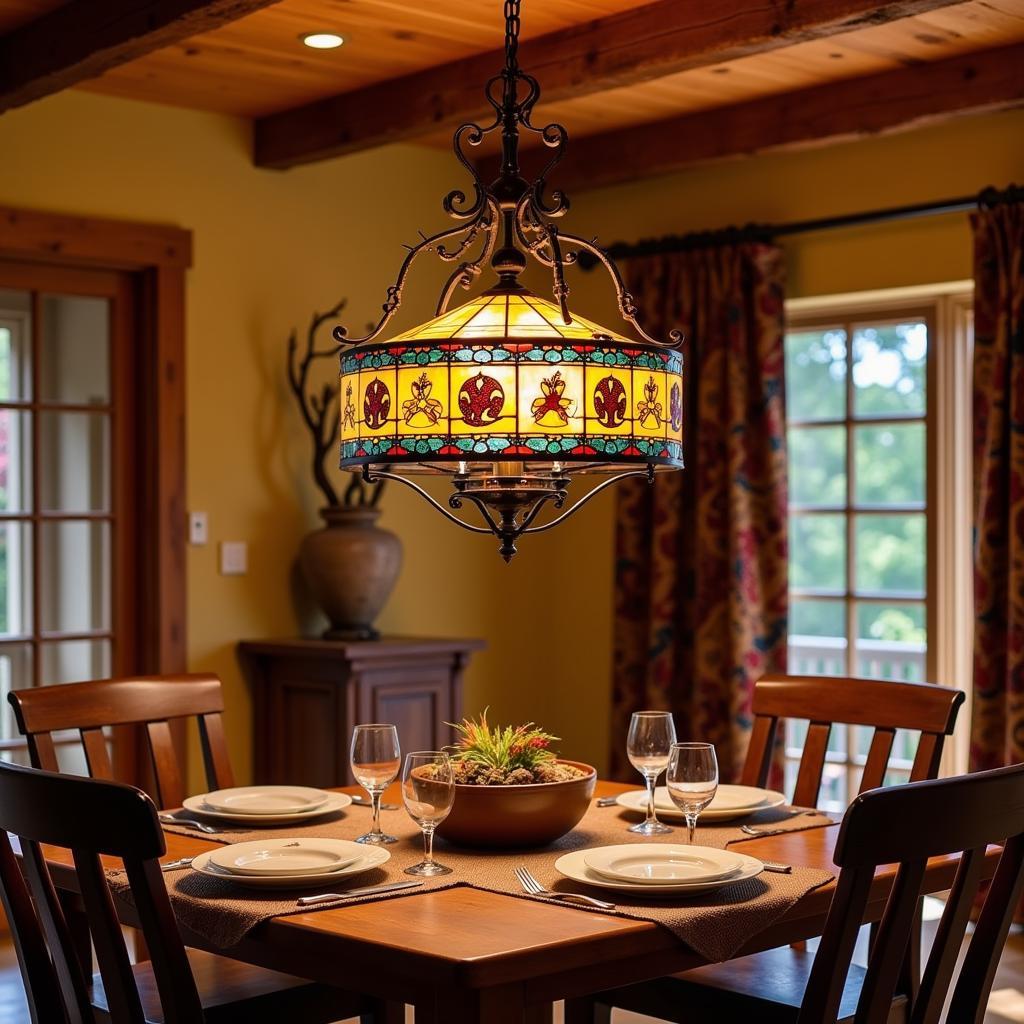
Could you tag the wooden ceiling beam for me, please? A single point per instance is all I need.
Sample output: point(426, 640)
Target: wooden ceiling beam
point(638, 45)
point(888, 101)
point(84, 38)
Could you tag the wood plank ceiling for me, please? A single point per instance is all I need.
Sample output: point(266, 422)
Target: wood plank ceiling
point(258, 64)
point(411, 69)
point(944, 32)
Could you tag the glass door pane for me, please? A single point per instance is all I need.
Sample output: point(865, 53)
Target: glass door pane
point(74, 364)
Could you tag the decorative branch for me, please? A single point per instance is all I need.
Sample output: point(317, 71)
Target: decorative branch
point(321, 414)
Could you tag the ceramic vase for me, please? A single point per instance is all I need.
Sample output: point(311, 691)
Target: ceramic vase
point(351, 566)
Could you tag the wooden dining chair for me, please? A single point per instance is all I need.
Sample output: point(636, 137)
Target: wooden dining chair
point(93, 818)
point(825, 701)
point(153, 702)
point(905, 826)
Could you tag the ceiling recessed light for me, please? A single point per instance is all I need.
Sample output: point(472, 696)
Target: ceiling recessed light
point(323, 40)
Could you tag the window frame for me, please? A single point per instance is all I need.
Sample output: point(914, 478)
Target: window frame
point(948, 599)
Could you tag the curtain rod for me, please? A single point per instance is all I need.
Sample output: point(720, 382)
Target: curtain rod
point(769, 232)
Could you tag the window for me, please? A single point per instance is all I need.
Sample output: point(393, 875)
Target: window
point(64, 525)
point(862, 420)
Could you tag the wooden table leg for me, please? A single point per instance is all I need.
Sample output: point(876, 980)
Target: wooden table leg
point(540, 1013)
point(502, 1005)
point(587, 1010)
point(383, 1012)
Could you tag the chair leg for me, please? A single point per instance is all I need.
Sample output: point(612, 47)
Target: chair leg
point(587, 1010)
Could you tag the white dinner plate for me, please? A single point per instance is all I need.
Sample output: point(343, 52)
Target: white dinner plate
point(288, 857)
point(373, 857)
point(573, 865)
point(334, 802)
point(662, 863)
point(265, 799)
point(636, 800)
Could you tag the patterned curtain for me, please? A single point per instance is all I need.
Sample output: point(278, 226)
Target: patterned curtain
point(997, 729)
point(701, 557)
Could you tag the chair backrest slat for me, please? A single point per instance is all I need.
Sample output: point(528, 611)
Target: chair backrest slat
point(824, 701)
point(886, 960)
point(70, 979)
point(152, 702)
point(970, 995)
point(91, 818)
point(812, 764)
point(759, 754)
point(824, 990)
point(180, 1004)
point(42, 751)
point(170, 791)
point(111, 953)
point(96, 756)
point(215, 749)
point(927, 758)
point(906, 826)
point(949, 936)
point(877, 760)
point(42, 989)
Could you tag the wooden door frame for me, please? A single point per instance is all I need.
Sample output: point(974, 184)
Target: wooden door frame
point(157, 256)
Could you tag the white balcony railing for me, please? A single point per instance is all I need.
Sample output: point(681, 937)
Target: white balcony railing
point(875, 659)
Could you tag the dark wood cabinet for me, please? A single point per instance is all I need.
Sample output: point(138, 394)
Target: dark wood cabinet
point(308, 694)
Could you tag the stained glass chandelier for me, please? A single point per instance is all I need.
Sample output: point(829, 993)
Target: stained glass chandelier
point(509, 395)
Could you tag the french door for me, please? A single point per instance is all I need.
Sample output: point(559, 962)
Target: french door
point(69, 461)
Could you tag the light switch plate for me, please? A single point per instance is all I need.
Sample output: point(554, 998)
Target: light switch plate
point(234, 558)
point(197, 528)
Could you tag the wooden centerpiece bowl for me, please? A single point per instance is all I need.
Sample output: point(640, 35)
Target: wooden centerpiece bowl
point(518, 816)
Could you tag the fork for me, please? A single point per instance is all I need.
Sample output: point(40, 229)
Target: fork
point(170, 819)
point(534, 888)
point(607, 801)
point(176, 865)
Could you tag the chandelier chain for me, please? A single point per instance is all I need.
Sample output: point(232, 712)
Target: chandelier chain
point(512, 21)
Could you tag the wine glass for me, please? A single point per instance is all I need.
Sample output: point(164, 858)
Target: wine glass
point(376, 758)
point(651, 735)
point(428, 791)
point(692, 779)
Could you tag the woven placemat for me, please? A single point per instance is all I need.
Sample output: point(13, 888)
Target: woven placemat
point(715, 925)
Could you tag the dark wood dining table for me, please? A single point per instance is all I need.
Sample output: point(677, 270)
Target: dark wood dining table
point(468, 956)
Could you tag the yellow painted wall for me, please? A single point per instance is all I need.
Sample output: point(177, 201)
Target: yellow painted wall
point(269, 247)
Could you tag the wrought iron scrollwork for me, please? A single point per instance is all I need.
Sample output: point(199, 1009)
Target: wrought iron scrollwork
point(524, 209)
point(510, 526)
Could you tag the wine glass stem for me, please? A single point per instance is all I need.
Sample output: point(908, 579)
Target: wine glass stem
point(652, 818)
point(428, 846)
point(375, 800)
point(691, 825)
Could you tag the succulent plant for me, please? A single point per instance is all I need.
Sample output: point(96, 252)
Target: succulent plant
point(502, 748)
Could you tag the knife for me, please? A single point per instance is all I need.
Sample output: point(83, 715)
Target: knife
point(306, 901)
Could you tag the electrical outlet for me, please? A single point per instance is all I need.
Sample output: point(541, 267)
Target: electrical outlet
point(234, 558)
point(197, 531)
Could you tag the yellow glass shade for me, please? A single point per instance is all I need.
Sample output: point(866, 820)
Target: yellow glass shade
point(508, 315)
point(502, 378)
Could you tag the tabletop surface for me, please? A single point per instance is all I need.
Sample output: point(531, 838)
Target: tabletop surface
point(480, 938)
